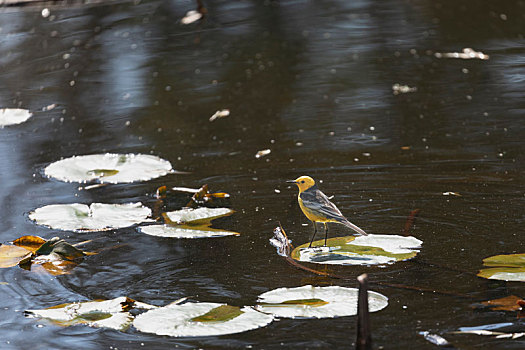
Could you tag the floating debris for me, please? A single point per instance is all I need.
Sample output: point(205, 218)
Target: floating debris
point(451, 194)
point(467, 54)
point(402, 89)
point(12, 116)
point(48, 108)
point(435, 339)
point(316, 302)
point(220, 114)
point(263, 153)
point(191, 16)
point(281, 242)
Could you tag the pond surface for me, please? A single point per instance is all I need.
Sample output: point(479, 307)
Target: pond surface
point(310, 80)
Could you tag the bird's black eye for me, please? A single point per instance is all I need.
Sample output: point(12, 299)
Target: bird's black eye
point(302, 182)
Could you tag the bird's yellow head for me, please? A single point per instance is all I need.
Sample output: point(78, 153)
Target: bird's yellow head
point(303, 182)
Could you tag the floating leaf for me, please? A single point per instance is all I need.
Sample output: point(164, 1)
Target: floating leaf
point(60, 247)
point(11, 116)
point(179, 320)
point(109, 168)
point(362, 250)
point(316, 302)
point(95, 217)
point(185, 231)
point(31, 243)
point(509, 267)
point(197, 216)
point(11, 255)
point(53, 264)
point(508, 303)
point(108, 313)
point(219, 314)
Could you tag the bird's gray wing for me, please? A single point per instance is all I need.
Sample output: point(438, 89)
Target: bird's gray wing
point(316, 200)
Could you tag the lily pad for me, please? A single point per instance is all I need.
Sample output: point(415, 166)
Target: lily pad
point(12, 116)
point(316, 302)
point(95, 217)
point(11, 255)
point(108, 313)
point(200, 319)
point(196, 216)
point(362, 250)
point(508, 267)
point(185, 231)
point(109, 168)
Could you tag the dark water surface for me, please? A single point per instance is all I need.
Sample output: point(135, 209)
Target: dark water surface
point(312, 81)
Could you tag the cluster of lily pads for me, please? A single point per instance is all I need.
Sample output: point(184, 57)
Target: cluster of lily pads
point(185, 318)
point(192, 318)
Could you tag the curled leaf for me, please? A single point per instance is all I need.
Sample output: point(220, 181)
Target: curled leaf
point(11, 255)
point(31, 243)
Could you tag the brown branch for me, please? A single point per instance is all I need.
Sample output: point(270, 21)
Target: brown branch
point(410, 221)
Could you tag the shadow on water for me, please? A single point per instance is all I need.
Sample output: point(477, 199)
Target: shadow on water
point(312, 81)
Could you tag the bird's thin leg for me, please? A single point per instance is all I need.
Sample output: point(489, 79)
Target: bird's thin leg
point(315, 231)
point(325, 233)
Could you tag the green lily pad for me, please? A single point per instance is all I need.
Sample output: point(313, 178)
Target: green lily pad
point(219, 314)
point(200, 319)
point(507, 267)
point(362, 250)
point(316, 302)
point(12, 116)
point(95, 217)
point(109, 168)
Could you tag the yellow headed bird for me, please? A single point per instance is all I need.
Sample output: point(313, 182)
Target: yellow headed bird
point(318, 208)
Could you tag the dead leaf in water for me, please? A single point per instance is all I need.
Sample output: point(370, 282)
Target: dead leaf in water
point(509, 303)
point(11, 255)
point(31, 243)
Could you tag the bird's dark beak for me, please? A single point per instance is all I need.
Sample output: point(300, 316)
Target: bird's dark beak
point(291, 181)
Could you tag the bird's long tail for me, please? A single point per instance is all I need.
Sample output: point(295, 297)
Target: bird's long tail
point(353, 227)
